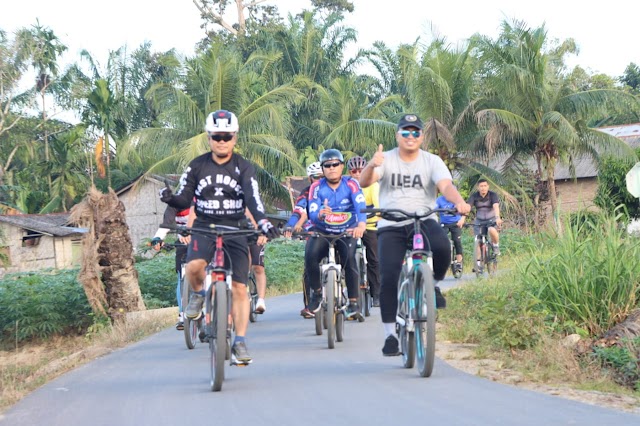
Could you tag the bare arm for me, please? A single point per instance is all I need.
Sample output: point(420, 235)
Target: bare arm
point(445, 186)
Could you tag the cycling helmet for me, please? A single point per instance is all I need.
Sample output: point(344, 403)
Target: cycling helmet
point(356, 163)
point(221, 121)
point(331, 154)
point(314, 169)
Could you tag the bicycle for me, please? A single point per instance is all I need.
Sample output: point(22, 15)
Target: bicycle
point(365, 301)
point(218, 324)
point(416, 314)
point(483, 246)
point(331, 314)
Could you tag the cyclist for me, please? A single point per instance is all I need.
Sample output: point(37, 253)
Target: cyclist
point(370, 238)
point(335, 202)
point(223, 184)
point(173, 216)
point(487, 205)
point(452, 223)
point(409, 180)
point(298, 221)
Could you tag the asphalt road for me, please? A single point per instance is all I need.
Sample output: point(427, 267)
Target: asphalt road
point(294, 380)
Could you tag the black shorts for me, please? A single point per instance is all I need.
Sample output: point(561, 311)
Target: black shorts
point(481, 227)
point(257, 254)
point(236, 253)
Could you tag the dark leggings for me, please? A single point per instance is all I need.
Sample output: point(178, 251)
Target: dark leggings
point(392, 245)
point(370, 240)
point(456, 236)
point(318, 248)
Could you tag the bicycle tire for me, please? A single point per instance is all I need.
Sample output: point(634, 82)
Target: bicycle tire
point(330, 288)
point(478, 247)
point(319, 321)
point(492, 262)
point(362, 291)
point(190, 326)
point(425, 336)
point(407, 346)
point(252, 291)
point(218, 340)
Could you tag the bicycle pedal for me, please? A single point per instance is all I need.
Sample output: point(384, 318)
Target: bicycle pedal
point(236, 363)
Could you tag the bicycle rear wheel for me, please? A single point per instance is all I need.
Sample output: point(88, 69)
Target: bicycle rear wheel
point(341, 299)
point(218, 339)
point(478, 248)
point(330, 288)
point(191, 328)
point(426, 326)
point(252, 290)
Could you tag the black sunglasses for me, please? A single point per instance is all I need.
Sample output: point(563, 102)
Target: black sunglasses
point(406, 133)
point(331, 165)
point(221, 137)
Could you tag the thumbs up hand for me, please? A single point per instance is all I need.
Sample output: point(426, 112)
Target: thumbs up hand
point(378, 157)
point(325, 210)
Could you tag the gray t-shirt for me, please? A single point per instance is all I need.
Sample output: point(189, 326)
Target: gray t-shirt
point(409, 186)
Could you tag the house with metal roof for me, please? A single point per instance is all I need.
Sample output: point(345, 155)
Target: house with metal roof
point(30, 242)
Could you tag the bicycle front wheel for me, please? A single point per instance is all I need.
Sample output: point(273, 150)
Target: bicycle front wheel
point(425, 334)
point(218, 339)
point(330, 288)
point(191, 327)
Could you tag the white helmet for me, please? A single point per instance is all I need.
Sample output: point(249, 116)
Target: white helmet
point(221, 121)
point(314, 169)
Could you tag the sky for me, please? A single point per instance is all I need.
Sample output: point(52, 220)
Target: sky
point(604, 33)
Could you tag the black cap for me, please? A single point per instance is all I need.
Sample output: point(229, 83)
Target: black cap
point(410, 120)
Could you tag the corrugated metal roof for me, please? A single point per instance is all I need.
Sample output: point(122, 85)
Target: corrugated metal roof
point(54, 224)
point(623, 130)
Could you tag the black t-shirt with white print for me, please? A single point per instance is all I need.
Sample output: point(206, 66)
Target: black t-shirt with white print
point(220, 192)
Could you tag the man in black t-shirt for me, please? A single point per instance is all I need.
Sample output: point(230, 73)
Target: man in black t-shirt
point(487, 205)
point(221, 184)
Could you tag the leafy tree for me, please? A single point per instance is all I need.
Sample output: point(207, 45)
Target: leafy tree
point(612, 188)
point(631, 77)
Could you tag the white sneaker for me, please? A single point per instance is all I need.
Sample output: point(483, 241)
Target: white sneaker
point(261, 307)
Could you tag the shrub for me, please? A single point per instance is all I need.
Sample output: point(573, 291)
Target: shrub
point(589, 275)
point(624, 360)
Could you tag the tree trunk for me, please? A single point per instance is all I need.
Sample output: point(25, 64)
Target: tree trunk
point(627, 329)
point(108, 274)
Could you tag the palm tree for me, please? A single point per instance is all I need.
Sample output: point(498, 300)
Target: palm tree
point(44, 48)
point(68, 169)
point(533, 113)
point(219, 79)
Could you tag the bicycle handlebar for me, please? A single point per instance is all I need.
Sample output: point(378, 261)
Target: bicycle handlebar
point(214, 230)
point(398, 215)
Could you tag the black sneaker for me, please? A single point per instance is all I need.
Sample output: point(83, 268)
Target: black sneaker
point(240, 354)
point(391, 346)
point(376, 301)
point(315, 300)
point(441, 302)
point(353, 312)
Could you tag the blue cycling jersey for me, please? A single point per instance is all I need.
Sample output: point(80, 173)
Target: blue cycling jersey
point(345, 201)
point(445, 218)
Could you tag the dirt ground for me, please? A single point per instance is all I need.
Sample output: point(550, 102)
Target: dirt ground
point(463, 357)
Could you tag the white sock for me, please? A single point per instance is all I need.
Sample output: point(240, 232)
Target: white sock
point(389, 329)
